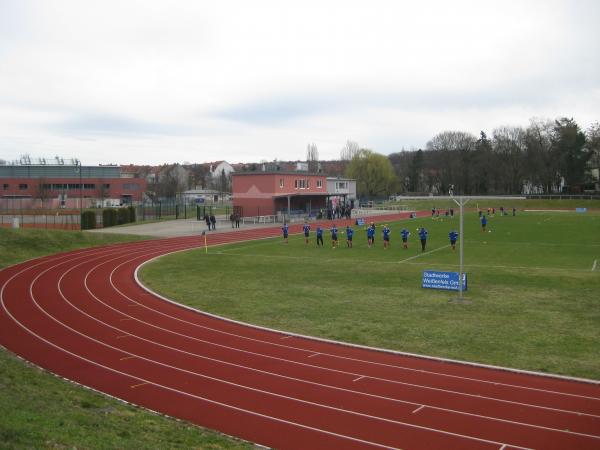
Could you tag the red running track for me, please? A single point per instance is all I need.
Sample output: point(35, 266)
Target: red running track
point(83, 316)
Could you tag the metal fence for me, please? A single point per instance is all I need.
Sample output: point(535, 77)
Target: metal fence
point(25, 214)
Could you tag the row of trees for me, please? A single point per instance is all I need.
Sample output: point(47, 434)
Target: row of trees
point(546, 157)
point(170, 179)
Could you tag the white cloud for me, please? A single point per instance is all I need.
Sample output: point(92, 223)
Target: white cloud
point(156, 81)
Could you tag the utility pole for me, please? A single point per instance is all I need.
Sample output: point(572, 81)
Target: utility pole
point(79, 169)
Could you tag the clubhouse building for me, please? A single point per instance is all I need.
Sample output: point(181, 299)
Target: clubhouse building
point(291, 193)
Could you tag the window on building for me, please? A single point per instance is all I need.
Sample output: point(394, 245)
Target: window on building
point(130, 187)
point(5, 186)
point(106, 186)
point(23, 186)
point(319, 183)
point(281, 182)
point(341, 185)
point(302, 184)
point(296, 184)
point(89, 186)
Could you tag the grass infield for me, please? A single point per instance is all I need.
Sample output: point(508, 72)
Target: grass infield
point(534, 298)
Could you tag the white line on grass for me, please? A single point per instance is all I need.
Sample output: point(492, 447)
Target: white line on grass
point(405, 261)
point(594, 265)
point(423, 254)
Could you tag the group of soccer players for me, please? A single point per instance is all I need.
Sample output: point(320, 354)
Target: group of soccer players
point(386, 232)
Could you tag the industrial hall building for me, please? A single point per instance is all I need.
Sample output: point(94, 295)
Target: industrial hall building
point(67, 184)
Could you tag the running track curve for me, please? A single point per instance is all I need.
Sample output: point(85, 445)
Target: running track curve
point(83, 316)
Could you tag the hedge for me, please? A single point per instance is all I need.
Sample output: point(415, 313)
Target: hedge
point(123, 215)
point(132, 217)
point(109, 217)
point(88, 220)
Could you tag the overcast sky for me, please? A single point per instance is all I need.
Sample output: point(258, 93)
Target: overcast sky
point(150, 82)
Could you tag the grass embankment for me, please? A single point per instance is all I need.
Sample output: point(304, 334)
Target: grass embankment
point(38, 410)
point(533, 295)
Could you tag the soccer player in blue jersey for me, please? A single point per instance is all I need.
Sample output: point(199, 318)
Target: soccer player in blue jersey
point(483, 222)
point(405, 234)
point(349, 235)
point(334, 236)
point(386, 237)
point(370, 235)
point(423, 237)
point(453, 235)
point(319, 236)
point(306, 229)
point(284, 229)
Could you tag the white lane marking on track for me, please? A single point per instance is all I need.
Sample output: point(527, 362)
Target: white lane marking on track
point(357, 379)
point(313, 355)
point(418, 409)
point(286, 337)
point(219, 380)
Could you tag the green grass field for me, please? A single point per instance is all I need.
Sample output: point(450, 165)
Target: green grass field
point(533, 298)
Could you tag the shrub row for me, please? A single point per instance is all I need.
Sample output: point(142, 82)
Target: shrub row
point(88, 220)
point(118, 216)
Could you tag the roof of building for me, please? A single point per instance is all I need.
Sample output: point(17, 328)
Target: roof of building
point(278, 172)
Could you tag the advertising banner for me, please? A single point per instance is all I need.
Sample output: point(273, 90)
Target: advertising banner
point(433, 279)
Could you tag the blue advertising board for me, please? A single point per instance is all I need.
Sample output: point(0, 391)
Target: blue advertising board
point(360, 221)
point(433, 279)
point(581, 210)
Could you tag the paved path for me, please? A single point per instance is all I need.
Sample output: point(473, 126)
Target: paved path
point(191, 227)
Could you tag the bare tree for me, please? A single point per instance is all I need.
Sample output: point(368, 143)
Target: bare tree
point(172, 180)
point(349, 150)
point(43, 190)
point(509, 145)
point(455, 149)
point(312, 157)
